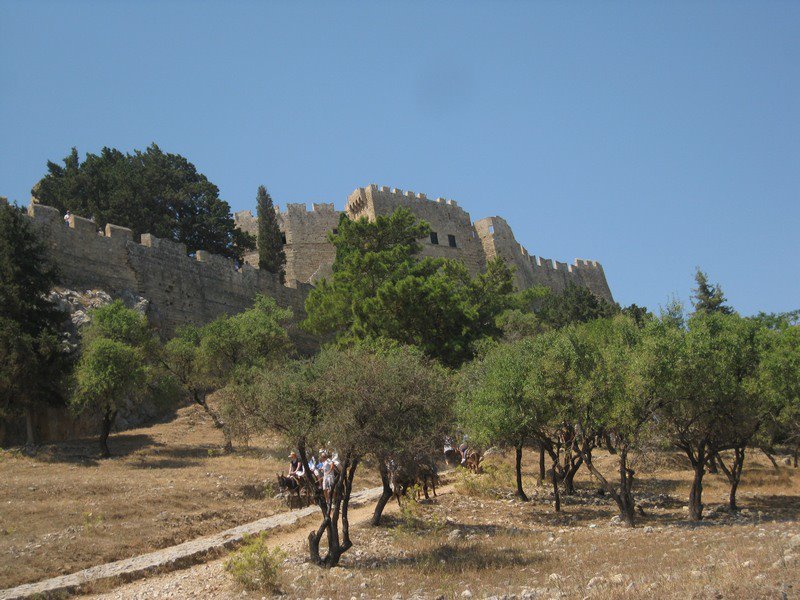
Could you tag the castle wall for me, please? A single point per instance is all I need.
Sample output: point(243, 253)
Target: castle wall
point(181, 289)
point(445, 217)
point(309, 254)
point(498, 240)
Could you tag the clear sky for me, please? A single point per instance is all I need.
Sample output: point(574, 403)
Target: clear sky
point(651, 136)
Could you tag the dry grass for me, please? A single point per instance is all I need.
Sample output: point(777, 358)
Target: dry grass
point(64, 510)
point(506, 547)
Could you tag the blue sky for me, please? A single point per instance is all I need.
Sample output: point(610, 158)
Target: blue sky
point(653, 137)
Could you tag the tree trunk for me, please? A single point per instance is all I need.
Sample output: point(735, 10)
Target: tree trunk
point(572, 465)
point(386, 495)
point(624, 496)
point(696, 492)
point(108, 422)
point(332, 512)
point(796, 454)
point(200, 398)
point(556, 495)
point(712, 464)
point(771, 458)
point(30, 440)
point(543, 471)
point(520, 492)
point(734, 474)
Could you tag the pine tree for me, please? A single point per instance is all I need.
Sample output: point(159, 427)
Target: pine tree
point(271, 256)
point(709, 297)
point(30, 360)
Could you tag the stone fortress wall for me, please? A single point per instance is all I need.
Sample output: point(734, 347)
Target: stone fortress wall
point(451, 227)
point(181, 289)
point(309, 254)
point(184, 288)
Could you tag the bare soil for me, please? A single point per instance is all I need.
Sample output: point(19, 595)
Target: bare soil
point(64, 509)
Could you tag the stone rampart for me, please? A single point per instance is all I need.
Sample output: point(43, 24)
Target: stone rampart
point(453, 235)
point(181, 288)
point(309, 254)
point(498, 240)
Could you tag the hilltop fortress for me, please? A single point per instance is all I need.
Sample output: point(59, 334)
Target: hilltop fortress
point(309, 255)
point(197, 287)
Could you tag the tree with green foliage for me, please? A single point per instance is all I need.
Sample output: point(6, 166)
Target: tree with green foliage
point(31, 363)
point(612, 404)
point(576, 304)
point(369, 401)
point(704, 379)
point(709, 297)
point(112, 371)
point(205, 359)
point(495, 406)
point(271, 256)
point(556, 386)
point(781, 382)
point(380, 287)
point(149, 192)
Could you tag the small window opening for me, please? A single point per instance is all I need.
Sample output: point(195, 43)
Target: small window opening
point(335, 231)
point(434, 238)
point(283, 238)
point(491, 228)
point(451, 240)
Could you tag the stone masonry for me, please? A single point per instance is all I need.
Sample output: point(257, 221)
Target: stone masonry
point(184, 287)
point(309, 254)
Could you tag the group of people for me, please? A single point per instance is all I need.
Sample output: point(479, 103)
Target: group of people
point(323, 470)
point(462, 451)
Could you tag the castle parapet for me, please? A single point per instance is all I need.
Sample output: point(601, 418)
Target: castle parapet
point(118, 232)
point(165, 246)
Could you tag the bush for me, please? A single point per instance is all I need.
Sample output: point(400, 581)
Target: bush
point(496, 478)
point(413, 517)
point(255, 566)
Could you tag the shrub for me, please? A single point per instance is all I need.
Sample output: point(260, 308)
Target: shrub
point(413, 517)
point(255, 566)
point(497, 476)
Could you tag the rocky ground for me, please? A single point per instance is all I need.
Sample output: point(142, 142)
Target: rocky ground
point(489, 545)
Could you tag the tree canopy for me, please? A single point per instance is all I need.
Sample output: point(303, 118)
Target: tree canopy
point(381, 287)
point(148, 191)
point(113, 370)
point(372, 400)
point(31, 363)
point(708, 297)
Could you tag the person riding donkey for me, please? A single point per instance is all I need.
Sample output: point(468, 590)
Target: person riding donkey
point(296, 468)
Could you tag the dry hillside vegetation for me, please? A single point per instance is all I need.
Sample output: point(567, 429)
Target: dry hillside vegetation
point(64, 510)
point(490, 545)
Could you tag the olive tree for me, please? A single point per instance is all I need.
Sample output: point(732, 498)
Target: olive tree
point(205, 359)
point(612, 403)
point(112, 371)
point(495, 405)
point(370, 401)
point(703, 377)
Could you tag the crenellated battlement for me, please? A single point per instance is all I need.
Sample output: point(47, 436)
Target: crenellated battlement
point(362, 198)
point(182, 287)
point(188, 286)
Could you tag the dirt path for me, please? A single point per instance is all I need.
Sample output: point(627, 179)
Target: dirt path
point(209, 580)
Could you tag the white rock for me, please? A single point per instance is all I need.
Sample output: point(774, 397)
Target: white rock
point(466, 594)
point(596, 581)
point(454, 535)
point(747, 564)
